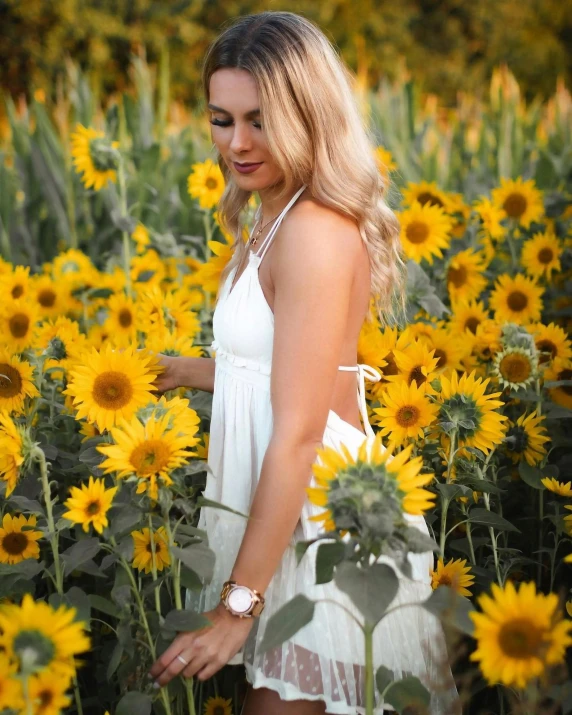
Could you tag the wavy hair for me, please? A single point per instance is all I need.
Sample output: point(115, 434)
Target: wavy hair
point(316, 136)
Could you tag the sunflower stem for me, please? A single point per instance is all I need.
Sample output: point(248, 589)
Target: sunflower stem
point(443, 534)
point(369, 675)
point(470, 541)
point(178, 603)
point(39, 457)
point(26, 692)
point(154, 566)
point(512, 248)
point(124, 234)
point(77, 696)
point(540, 527)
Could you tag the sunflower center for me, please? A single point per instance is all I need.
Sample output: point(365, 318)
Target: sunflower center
point(445, 580)
point(93, 508)
point(515, 368)
point(125, 318)
point(391, 367)
point(112, 390)
point(10, 381)
point(407, 416)
point(515, 205)
point(218, 710)
point(520, 639)
point(417, 232)
point(45, 697)
point(463, 412)
point(565, 375)
point(19, 325)
point(519, 441)
point(543, 346)
point(457, 276)
point(428, 198)
point(102, 154)
point(211, 183)
point(517, 301)
point(34, 648)
point(15, 543)
point(150, 457)
point(545, 255)
point(17, 290)
point(46, 298)
point(472, 324)
point(441, 356)
point(417, 375)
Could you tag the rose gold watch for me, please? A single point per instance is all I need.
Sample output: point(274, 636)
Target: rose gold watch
point(241, 601)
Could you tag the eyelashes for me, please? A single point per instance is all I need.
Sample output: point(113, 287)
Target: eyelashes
point(218, 123)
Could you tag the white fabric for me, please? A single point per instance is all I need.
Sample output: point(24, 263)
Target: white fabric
point(324, 660)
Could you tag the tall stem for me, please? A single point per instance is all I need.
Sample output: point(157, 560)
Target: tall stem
point(369, 679)
point(154, 565)
point(125, 235)
point(540, 527)
point(443, 534)
point(39, 457)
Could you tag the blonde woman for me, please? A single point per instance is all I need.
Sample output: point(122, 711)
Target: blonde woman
point(286, 325)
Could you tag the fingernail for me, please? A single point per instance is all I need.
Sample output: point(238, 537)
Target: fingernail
point(156, 685)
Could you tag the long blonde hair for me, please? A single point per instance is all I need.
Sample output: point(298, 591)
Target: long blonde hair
point(316, 136)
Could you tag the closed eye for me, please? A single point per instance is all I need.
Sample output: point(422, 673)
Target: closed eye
point(218, 123)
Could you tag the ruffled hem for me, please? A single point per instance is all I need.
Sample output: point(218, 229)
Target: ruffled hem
point(239, 361)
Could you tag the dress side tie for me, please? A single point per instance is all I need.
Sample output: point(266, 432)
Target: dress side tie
point(363, 371)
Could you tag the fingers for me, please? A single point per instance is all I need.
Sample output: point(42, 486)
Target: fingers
point(167, 666)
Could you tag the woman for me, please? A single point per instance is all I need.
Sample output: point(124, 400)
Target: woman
point(286, 326)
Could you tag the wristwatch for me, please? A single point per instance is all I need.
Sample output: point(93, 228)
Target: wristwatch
point(241, 601)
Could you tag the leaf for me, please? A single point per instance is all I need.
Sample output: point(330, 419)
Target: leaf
point(372, 589)
point(328, 556)
point(197, 557)
point(530, 475)
point(490, 518)
point(451, 491)
point(203, 501)
point(125, 518)
point(114, 660)
point(301, 548)
point(185, 621)
point(99, 603)
point(27, 506)
point(287, 621)
point(74, 598)
point(451, 607)
point(190, 579)
point(134, 703)
point(80, 552)
point(383, 678)
point(408, 693)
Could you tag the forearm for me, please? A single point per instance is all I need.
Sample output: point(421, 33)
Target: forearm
point(197, 373)
point(275, 511)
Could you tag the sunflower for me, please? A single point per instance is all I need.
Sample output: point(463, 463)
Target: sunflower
point(455, 573)
point(89, 504)
point(406, 412)
point(148, 452)
point(173, 345)
point(11, 452)
point(526, 438)
point(72, 264)
point(45, 637)
point(163, 313)
point(561, 371)
point(147, 271)
point(376, 348)
point(568, 520)
point(62, 343)
point(395, 478)
point(110, 385)
point(516, 300)
point(465, 279)
point(15, 382)
point(541, 255)
point(551, 341)
point(47, 690)
point(208, 274)
point(17, 544)
point(515, 368)
point(142, 554)
point(490, 217)
point(449, 349)
point(463, 401)
point(48, 296)
point(520, 200)
point(467, 316)
point(518, 634)
point(94, 156)
point(426, 193)
point(487, 340)
point(553, 485)
point(425, 231)
point(121, 323)
point(384, 161)
point(416, 364)
point(218, 706)
point(206, 183)
point(10, 686)
point(141, 237)
point(17, 321)
point(15, 284)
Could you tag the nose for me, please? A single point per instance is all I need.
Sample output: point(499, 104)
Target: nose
point(241, 138)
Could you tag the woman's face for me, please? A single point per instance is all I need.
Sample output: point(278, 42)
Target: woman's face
point(237, 131)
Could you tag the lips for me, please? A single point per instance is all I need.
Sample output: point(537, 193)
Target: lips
point(252, 163)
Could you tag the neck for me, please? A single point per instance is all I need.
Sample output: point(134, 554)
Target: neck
point(272, 202)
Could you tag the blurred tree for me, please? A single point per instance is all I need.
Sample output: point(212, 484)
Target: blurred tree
point(447, 45)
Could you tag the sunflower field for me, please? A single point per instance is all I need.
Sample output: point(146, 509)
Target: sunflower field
point(111, 258)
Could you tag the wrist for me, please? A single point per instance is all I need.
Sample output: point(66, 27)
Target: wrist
point(180, 371)
point(241, 601)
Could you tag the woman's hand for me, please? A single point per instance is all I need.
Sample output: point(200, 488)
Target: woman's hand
point(205, 651)
point(170, 378)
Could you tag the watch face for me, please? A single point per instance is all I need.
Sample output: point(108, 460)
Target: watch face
point(239, 599)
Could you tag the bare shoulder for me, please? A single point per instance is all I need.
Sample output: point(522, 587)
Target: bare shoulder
point(319, 234)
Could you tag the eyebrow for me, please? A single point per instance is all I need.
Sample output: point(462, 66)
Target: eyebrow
point(252, 113)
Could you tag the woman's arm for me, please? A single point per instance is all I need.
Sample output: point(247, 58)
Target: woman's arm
point(197, 373)
point(316, 255)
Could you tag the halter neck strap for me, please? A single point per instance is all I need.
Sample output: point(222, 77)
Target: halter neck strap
point(268, 240)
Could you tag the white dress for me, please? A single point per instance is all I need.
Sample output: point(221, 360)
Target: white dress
point(324, 660)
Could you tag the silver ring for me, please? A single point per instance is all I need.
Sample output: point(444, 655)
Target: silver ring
point(180, 657)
